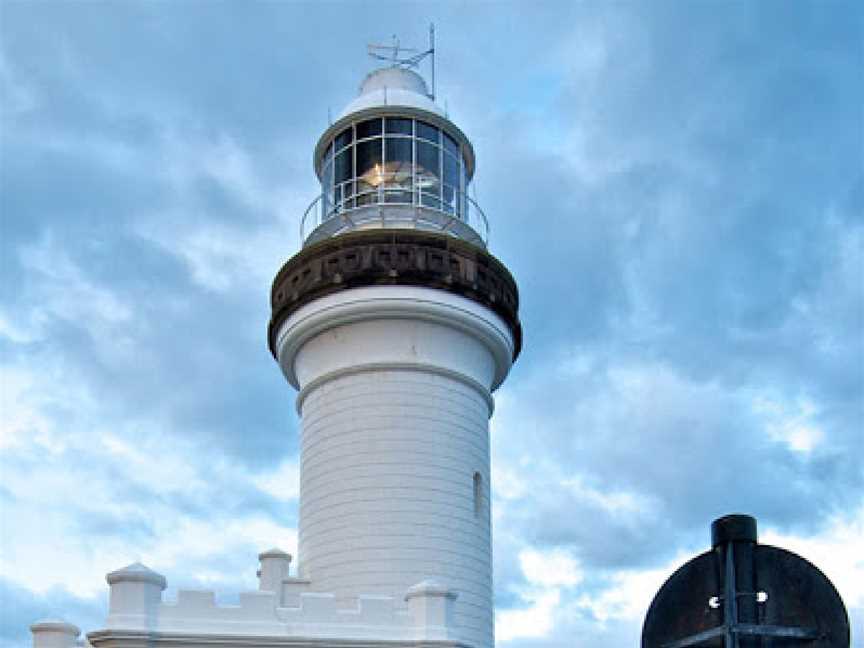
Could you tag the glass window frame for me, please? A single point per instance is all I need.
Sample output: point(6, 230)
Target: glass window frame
point(345, 195)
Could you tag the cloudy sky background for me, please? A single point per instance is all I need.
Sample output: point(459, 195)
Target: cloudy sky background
point(677, 188)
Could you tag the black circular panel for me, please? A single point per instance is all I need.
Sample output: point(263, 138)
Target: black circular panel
point(790, 595)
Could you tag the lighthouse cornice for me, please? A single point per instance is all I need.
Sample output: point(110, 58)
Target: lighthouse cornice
point(382, 304)
point(395, 258)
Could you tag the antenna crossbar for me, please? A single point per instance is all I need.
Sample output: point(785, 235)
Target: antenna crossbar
point(393, 54)
point(405, 57)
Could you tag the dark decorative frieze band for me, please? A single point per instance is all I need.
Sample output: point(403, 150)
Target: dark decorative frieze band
point(394, 258)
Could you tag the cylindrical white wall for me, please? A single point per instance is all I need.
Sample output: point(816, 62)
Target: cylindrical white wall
point(388, 461)
point(395, 401)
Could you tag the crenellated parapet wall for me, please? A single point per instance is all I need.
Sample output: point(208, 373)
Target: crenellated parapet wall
point(137, 609)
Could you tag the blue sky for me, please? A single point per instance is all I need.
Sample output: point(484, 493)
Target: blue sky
point(677, 188)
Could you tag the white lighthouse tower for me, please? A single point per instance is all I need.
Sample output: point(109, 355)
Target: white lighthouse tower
point(396, 325)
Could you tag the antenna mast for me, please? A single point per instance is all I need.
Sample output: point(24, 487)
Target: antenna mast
point(410, 57)
point(432, 57)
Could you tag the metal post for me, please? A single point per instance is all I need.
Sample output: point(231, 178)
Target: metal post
point(432, 50)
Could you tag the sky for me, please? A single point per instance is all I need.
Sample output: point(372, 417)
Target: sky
point(677, 187)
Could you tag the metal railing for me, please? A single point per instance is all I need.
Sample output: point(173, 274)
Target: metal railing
point(389, 206)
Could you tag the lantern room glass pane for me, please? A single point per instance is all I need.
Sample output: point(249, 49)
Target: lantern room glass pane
point(343, 166)
point(427, 174)
point(397, 125)
point(451, 171)
point(463, 212)
point(451, 183)
point(449, 200)
point(342, 175)
point(397, 154)
point(428, 164)
point(369, 170)
point(344, 138)
point(327, 186)
point(369, 128)
point(398, 169)
point(450, 145)
point(427, 132)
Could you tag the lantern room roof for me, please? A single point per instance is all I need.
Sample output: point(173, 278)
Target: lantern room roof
point(392, 92)
point(392, 86)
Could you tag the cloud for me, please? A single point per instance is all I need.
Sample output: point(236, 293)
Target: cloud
point(22, 607)
point(677, 190)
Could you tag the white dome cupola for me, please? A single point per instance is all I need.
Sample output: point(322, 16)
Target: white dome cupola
point(393, 86)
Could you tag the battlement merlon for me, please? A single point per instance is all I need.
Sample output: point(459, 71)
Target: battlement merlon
point(137, 609)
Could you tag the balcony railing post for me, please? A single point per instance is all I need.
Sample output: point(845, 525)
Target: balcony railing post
point(459, 209)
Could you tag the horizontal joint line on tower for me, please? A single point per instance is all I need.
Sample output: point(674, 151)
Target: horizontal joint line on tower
point(394, 366)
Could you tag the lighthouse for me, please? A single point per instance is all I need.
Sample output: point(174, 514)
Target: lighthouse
point(395, 325)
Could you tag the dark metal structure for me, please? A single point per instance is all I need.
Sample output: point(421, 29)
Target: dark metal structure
point(394, 257)
point(745, 595)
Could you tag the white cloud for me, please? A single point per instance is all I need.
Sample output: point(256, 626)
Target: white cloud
point(790, 423)
point(14, 331)
point(22, 417)
point(282, 483)
point(222, 256)
point(547, 572)
point(836, 551)
point(627, 595)
point(85, 497)
point(58, 286)
point(184, 540)
point(617, 503)
point(555, 568)
point(533, 622)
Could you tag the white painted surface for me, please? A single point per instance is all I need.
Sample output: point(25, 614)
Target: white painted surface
point(275, 565)
point(320, 618)
point(393, 87)
point(135, 595)
point(395, 400)
point(54, 633)
point(397, 325)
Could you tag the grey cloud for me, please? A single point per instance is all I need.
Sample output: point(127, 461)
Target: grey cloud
point(21, 607)
point(679, 200)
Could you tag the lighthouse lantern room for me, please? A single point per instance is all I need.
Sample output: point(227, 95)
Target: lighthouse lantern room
point(393, 146)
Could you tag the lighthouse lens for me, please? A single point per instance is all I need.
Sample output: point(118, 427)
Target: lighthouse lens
point(370, 171)
point(394, 160)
